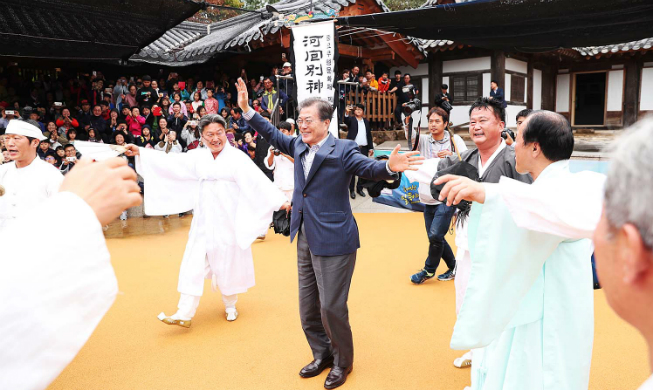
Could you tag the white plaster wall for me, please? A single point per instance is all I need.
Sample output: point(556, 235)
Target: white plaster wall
point(487, 79)
point(615, 90)
point(424, 124)
point(562, 93)
point(511, 113)
point(422, 70)
point(506, 87)
point(425, 90)
point(537, 89)
point(459, 115)
point(516, 65)
point(445, 80)
point(526, 90)
point(646, 102)
point(467, 65)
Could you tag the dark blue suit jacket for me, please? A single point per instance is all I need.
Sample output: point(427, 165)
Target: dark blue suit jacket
point(321, 201)
point(499, 96)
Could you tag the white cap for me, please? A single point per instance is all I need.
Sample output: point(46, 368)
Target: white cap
point(287, 64)
point(290, 120)
point(19, 127)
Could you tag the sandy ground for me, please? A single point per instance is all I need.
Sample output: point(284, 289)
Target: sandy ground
point(401, 331)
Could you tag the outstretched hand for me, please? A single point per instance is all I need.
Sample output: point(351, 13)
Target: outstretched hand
point(243, 96)
point(132, 150)
point(460, 188)
point(404, 162)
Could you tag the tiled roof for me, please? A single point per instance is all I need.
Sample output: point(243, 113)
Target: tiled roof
point(642, 44)
point(234, 33)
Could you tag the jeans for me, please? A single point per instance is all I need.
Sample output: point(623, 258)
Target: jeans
point(437, 219)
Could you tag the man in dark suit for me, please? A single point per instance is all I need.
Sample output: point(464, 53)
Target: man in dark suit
point(322, 220)
point(360, 132)
point(497, 94)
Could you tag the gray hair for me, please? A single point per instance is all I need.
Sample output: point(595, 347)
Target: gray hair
point(211, 118)
point(324, 108)
point(629, 187)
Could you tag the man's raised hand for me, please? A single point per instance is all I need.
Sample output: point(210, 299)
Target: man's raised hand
point(243, 97)
point(460, 188)
point(404, 162)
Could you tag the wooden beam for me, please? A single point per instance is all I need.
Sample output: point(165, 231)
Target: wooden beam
point(499, 68)
point(285, 38)
point(435, 77)
point(351, 50)
point(631, 96)
point(529, 87)
point(401, 48)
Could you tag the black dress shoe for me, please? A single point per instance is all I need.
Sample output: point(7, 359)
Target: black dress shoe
point(360, 192)
point(337, 377)
point(352, 194)
point(316, 367)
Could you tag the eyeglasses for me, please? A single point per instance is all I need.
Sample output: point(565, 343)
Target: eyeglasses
point(301, 122)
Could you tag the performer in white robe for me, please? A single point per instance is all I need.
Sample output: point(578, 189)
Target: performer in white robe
point(233, 202)
point(52, 302)
point(529, 303)
point(27, 181)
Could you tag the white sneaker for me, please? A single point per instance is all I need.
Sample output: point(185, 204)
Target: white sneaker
point(232, 314)
point(464, 361)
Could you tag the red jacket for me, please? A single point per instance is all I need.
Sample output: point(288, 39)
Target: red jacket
point(135, 125)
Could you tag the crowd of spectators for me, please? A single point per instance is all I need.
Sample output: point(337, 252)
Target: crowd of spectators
point(160, 112)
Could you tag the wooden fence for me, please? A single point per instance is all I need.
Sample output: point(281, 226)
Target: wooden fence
point(379, 107)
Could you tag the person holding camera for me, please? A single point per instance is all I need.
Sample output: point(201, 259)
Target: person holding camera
point(282, 164)
point(359, 130)
point(190, 134)
point(69, 160)
point(147, 96)
point(169, 143)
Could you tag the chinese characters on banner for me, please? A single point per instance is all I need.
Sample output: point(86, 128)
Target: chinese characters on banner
point(315, 54)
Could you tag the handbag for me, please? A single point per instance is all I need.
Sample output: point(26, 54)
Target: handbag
point(460, 168)
point(446, 106)
point(281, 222)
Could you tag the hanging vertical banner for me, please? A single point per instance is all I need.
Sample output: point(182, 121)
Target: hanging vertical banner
point(315, 57)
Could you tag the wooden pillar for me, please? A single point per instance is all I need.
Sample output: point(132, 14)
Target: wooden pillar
point(435, 78)
point(529, 87)
point(499, 68)
point(631, 94)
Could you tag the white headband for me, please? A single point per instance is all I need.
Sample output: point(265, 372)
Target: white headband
point(19, 127)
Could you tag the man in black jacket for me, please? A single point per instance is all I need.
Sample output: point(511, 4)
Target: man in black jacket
point(359, 130)
point(443, 99)
point(147, 96)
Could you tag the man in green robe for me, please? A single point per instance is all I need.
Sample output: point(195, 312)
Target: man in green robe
point(528, 309)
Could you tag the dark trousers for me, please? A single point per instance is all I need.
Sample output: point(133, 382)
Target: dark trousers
point(323, 292)
point(364, 150)
point(437, 220)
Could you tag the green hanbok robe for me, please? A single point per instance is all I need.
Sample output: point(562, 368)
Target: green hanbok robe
point(528, 312)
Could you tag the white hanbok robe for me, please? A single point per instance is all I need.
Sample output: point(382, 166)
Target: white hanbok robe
point(26, 188)
point(528, 307)
point(53, 295)
point(233, 202)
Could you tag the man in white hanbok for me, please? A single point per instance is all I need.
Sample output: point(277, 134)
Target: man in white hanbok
point(624, 237)
point(528, 308)
point(233, 203)
point(27, 181)
point(51, 304)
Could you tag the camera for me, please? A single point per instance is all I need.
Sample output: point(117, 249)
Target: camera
point(58, 104)
point(506, 132)
point(71, 159)
point(276, 152)
point(10, 112)
point(412, 105)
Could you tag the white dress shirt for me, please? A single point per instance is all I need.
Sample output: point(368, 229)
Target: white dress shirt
point(361, 137)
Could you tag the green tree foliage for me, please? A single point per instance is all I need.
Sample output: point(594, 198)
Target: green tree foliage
point(212, 14)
